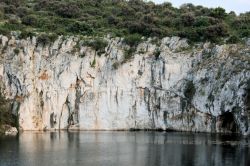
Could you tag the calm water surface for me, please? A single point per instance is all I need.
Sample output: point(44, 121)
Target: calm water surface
point(123, 149)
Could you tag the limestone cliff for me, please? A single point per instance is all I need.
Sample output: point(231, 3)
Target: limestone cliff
point(166, 85)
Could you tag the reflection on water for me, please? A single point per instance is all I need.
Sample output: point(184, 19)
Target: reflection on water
point(123, 148)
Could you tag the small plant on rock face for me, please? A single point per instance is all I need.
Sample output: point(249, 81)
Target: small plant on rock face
point(128, 53)
point(115, 65)
point(157, 53)
point(141, 51)
point(82, 55)
point(211, 97)
point(155, 41)
point(16, 51)
point(93, 63)
point(76, 48)
point(132, 40)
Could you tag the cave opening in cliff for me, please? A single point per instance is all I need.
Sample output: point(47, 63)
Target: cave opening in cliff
point(228, 123)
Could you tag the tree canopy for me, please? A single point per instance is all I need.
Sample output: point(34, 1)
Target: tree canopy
point(122, 18)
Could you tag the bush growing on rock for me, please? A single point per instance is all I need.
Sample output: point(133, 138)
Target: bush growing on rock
point(82, 55)
point(22, 11)
point(46, 38)
point(97, 44)
point(233, 39)
point(25, 34)
point(218, 13)
point(157, 53)
point(204, 21)
point(13, 2)
point(93, 63)
point(214, 32)
point(30, 20)
point(128, 53)
point(115, 65)
point(16, 51)
point(187, 19)
point(68, 10)
point(80, 27)
point(133, 39)
point(112, 20)
point(191, 34)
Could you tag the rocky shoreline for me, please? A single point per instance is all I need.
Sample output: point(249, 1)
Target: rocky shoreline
point(8, 130)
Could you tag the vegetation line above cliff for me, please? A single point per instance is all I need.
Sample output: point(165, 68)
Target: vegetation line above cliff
point(120, 18)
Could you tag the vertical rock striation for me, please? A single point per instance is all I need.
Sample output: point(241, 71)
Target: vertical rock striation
point(200, 88)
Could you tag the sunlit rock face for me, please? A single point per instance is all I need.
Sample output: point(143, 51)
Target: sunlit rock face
point(168, 85)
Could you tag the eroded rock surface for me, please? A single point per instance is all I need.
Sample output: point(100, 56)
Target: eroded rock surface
point(169, 85)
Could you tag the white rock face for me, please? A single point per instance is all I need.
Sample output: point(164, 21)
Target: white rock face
point(199, 89)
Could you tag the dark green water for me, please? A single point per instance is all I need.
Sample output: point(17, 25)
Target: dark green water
point(123, 149)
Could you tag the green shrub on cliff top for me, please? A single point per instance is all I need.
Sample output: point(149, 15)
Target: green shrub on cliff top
point(133, 39)
point(98, 44)
point(46, 38)
point(122, 18)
